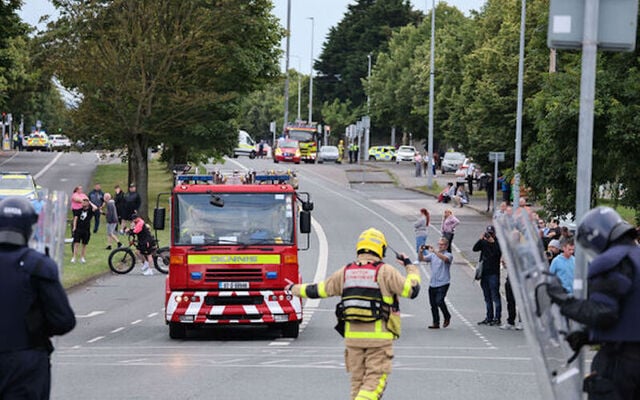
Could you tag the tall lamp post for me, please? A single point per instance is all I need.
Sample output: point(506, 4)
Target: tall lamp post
point(518, 156)
point(431, 96)
point(286, 82)
point(311, 74)
point(299, 84)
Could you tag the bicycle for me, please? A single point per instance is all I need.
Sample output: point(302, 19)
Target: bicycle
point(123, 259)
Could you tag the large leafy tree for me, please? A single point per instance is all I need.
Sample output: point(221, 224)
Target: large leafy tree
point(162, 71)
point(365, 29)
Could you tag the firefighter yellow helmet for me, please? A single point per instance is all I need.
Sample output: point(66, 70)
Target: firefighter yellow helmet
point(372, 241)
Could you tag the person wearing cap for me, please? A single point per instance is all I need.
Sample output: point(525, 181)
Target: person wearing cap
point(368, 313)
point(490, 255)
point(35, 306)
point(563, 265)
point(609, 314)
point(553, 249)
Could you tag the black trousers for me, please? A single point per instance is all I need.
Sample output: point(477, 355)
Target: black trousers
point(511, 303)
point(25, 375)
point(615, 373)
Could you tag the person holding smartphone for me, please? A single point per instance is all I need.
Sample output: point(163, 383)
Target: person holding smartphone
point(440, 260)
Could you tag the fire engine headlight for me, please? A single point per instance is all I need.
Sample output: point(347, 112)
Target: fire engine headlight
point(297, 152)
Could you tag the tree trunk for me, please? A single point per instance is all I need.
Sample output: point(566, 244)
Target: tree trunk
point(139, 171)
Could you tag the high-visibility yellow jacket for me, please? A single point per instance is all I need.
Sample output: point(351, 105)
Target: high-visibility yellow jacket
point(392, 283)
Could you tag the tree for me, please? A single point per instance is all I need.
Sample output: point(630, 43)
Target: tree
point(365, 29)
point(162, 71)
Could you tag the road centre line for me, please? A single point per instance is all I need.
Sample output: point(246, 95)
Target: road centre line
point(95, 339)
point(46, 167)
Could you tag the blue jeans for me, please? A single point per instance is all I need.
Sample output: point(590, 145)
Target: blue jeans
point(436, 301)
point(490, 285)
point(420, 241)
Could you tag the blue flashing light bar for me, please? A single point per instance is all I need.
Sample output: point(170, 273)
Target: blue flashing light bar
point(272, 178)
point(195, 178)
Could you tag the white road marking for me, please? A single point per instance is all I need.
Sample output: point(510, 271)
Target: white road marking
point(117, 330)
point(46, 167)
point(136, 322)
point(95, 339)
point(152, 315)
point(91, 314)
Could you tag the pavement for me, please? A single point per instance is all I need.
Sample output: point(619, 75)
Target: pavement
point(403, 175)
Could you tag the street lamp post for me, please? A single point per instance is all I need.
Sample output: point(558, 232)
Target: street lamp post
point(311, 74)
point(431, 96)
point(286, 82)
point(518, 156)
point(299, 84)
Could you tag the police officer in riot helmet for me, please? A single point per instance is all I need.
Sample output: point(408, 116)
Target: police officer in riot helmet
point(610, 313)
point(35, 306)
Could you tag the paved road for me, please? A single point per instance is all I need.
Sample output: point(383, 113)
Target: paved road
point(121, 349)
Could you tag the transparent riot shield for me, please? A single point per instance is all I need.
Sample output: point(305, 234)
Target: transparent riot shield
point(545, 327)
point(49, 231)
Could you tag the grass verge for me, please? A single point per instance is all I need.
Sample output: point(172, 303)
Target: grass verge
point(108, 175)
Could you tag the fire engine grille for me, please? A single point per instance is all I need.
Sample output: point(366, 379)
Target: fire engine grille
point(233, 300)
point(235, 275)
point(234, 317)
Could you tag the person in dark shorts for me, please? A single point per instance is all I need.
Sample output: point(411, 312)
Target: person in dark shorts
point(81, 229)
point(146, 243)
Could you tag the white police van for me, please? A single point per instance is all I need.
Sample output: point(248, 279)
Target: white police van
point(246, 145)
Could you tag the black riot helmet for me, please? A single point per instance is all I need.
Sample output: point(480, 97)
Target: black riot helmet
point(17, 217)
point(600, 227)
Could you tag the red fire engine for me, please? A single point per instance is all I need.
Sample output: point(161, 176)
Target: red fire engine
point(234, 247)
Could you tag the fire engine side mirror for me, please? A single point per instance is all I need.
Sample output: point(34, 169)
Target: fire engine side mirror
point(307, 205)
point(158, 218)
point(305, 221)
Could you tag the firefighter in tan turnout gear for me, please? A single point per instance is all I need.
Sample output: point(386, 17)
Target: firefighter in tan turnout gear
point(368, 315)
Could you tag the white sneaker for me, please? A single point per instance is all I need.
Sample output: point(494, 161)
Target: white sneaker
point(73, 260)
point(147, 272)
point(518, 327)
point(82, 260)
point(508, 327)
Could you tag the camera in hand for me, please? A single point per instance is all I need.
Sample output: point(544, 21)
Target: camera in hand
point(487, 235)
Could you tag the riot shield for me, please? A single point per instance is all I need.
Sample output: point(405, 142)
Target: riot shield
point(545, 328)
point(49, 231)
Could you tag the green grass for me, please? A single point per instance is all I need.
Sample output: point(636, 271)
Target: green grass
point(160, 180)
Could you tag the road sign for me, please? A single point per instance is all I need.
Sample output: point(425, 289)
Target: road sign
point(617, 20)
point(496, 156)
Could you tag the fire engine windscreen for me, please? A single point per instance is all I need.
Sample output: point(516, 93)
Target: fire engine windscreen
point(246, 218)
point(300, 135)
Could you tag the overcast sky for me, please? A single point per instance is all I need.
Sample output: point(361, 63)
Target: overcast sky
point(325, 13)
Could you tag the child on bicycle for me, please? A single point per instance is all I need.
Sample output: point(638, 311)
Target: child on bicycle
point(146, 243)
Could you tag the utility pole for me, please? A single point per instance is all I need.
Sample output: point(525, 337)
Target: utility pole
point(431, 96)
point(286, 82)
point(516, 183)
point(311, 74)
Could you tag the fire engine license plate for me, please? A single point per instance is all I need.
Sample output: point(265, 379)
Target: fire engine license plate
point(233, 285)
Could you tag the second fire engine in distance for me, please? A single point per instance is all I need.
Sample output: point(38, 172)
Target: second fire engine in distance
point(307, 137)
point(234, 248)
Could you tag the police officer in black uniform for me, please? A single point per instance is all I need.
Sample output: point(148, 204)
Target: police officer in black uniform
point(34, 306)
point(610, 313)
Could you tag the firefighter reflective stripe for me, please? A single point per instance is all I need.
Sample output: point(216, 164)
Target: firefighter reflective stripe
point(406, 291)
point(313, 291)
point(377, 333)
point(376, 394)
point(361, 295)
point(322, 290)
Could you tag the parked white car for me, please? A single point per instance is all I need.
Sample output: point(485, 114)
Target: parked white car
point(405, 153)
point(59, 142)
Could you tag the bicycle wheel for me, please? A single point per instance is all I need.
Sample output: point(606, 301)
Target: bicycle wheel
point(122, 260)
point(161, 259)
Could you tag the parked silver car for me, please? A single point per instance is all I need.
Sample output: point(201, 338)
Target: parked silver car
point(328, 153)
point(451, 161)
